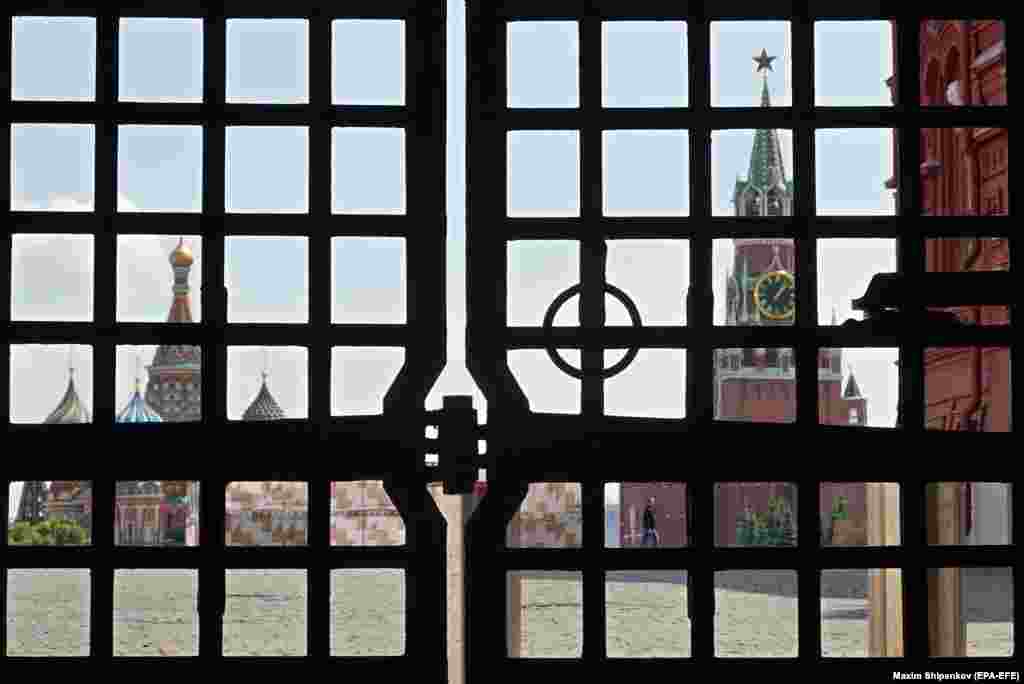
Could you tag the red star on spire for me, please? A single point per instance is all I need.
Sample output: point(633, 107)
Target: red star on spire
point(764, 61)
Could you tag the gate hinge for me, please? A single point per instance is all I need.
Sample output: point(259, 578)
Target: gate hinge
point(457, 445)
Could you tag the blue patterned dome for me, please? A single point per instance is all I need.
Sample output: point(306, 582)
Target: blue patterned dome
point(137, 410)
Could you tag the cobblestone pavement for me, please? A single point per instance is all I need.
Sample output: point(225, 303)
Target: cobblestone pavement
point(47, 615)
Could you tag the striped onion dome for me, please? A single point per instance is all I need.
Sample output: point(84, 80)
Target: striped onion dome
point(71, 408)
point(137, 410)
point(264, 406)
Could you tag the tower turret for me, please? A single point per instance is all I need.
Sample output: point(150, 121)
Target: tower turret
point(175, 377)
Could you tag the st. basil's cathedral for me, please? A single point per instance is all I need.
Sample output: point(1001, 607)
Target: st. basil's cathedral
point(153, 512)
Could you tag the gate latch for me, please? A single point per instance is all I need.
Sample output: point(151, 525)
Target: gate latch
point(457, 442)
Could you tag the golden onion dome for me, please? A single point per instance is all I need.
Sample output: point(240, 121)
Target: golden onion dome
point(182, 255)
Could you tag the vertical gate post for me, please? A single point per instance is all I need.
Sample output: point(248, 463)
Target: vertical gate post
point(885, 622)
point(946, 629)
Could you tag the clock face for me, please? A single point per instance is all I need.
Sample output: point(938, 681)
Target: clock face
point(775, 295)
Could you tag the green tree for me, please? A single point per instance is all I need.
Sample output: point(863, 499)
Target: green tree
point(48, 533)
point(22, 532)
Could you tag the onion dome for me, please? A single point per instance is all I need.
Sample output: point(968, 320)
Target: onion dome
point(264, 406)
point(184, 356)
point(182, 255)
point(70, 409)
point(137, 410)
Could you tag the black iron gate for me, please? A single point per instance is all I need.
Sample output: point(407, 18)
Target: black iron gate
point(522, 446)
point(593, 448)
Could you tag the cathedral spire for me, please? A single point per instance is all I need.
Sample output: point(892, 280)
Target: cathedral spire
point(181, 261)
point(852, 390)
point(71, 409)
point(766, 190)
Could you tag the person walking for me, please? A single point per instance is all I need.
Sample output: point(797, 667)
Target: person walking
point(650, 531)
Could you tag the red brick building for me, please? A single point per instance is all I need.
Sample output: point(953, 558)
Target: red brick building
point(965, 171)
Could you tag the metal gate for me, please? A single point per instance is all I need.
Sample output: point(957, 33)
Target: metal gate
point(527, 447)
point(215, 450)
point(523, 446)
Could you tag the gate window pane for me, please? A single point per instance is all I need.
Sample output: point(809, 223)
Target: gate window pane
point(754, 281)
point(51, 384)
point(755, 514)
point(39, 72)
point(842, 82)
point(631, 507)
point(159, 278)
point(52, 277)
point(862, 613)
point(268, 383)
point(156, 613)
point(369, 275)
point(646, 173)
point(852, 166)
point(361, 376)
point(950, 78)
point(970, 612)
point(362, 514)
point(539, 271)
point(645, 64)
point(265, 613)
point(368, 62)
point(551, 516)
point(959, 255)
point(967, 389)
point(267, 61)
point(545, 385)
point(368, 612)
point(859, 387)
point(655, 274)
point(266, 514)
point(545, 614)
point(969, 513)
point(758, 385)
point(860, 514)
point(156, 513)
point(160, 60)
point(652, 386)
point(368, 167)
point(543, 64)
point(48, 612)
point(50, 513)
point(845, 269)
point(752, 172)
point(53, 167)
point(160, 168)
point(543, 173)
point(733, 45)
point(266, 169)
point(756, 614)
point(965, 172)
point(255, 298)
point(158, 384)
point(647, 614)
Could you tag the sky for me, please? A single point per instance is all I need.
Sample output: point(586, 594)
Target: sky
point(645, 172)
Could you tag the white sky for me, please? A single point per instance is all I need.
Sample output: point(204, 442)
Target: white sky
point(266, 170)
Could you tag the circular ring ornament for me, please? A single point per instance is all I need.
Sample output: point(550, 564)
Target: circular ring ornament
point(562, 364)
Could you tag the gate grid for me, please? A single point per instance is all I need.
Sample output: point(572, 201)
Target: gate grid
point(523, 446)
